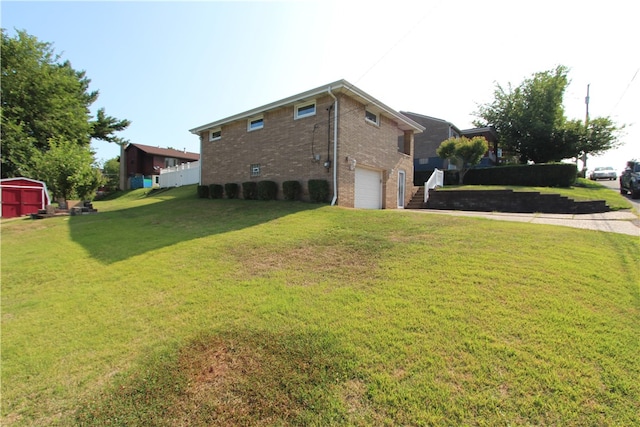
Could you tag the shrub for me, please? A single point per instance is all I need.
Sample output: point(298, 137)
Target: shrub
point(267, 190)
point(215, 191)
point(231, 189)
point(539, 175)
point(249, 190)
point(291, 190)
point(203, 191)
point(318, 190)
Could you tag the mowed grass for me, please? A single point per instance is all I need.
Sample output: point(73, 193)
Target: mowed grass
point(166, 310)
point(584, 189)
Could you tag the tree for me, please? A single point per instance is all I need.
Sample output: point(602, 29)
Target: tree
point(464, 152)
point(68, 169)
point(526, 118)
point(44, 99)
point(600, 136)
point(111, 172)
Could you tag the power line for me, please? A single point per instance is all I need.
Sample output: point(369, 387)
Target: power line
point(384, 55)
point(625, 91)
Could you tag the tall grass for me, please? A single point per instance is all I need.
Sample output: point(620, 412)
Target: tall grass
point(171, 310)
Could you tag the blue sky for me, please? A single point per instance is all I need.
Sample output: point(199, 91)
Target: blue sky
point(172, 66)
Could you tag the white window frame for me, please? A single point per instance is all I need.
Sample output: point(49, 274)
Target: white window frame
point(253, 120)
point(212, 132)
point(376, 115)
point(296, 113)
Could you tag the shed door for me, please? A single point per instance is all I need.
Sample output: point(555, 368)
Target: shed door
point(10, 202)
point(368, 189)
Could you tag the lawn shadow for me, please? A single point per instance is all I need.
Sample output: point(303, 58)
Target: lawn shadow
point(116, 235)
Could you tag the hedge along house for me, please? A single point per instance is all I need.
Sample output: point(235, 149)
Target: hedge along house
point(336, 133)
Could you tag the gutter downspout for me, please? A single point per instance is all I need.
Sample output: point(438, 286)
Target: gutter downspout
point(335, 148)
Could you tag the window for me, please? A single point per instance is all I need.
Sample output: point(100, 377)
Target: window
point(305, 110)
point(255, 169)
point(371, 117)
point(215, 134)
point(170, 162)
point(255, 123)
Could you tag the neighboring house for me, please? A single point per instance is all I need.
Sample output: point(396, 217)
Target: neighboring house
point(335, 132)
point(425, 158)
point(143, 163)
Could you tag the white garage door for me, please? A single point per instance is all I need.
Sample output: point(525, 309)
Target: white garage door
point(368, 189)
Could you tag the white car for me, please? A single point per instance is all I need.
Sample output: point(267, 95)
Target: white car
point(603, 172)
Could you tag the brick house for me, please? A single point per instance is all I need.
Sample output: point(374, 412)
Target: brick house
point(335, 132)
point(145, 162)
point(425, 158)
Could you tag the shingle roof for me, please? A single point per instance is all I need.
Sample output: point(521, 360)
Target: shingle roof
point(340, 86)
point(166, 152)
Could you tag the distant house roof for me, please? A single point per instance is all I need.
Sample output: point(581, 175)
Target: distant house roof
point(424, 120)
point(166, 152)
point(488, 132)
point(340, 86)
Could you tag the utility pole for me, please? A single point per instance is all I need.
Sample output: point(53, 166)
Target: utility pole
point(586, 127)
point(586, 101)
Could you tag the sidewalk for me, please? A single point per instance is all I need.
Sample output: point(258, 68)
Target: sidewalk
point(622, 222)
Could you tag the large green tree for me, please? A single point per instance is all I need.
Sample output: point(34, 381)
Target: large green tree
point(531, 124)
point(44, 99)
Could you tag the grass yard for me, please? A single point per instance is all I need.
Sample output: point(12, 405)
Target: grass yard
point(584, 189)
point(167, 310)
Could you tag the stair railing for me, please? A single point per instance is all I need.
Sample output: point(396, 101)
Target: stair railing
point(435, 180)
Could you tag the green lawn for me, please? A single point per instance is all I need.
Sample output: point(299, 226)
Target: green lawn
point(583, 190)
point(168, 310)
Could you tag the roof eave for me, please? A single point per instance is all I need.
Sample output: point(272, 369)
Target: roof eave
point(404, 122)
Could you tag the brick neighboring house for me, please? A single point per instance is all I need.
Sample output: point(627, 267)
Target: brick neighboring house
point(425, 158)
point(145, 162)
point(334, 132)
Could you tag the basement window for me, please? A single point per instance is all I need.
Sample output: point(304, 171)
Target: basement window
point(215, 134)
point(371, 117)
point(255, 123)
point(307, 109)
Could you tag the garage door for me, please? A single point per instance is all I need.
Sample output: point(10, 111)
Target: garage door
point(368, 189)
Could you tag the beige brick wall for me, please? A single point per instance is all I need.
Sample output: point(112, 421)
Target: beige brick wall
point(285, 150)
point(372, 146)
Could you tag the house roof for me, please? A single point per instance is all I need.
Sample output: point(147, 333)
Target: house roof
point(166, 152)
point(340, 86)
point(488, 132)
point(421, 118)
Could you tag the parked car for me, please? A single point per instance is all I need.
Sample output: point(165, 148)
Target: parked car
point(603, 172)
point(630, 179)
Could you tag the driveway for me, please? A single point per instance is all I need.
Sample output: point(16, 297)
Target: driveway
point(615, 185)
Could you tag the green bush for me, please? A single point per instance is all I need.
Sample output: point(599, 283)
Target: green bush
point(203, 191)
point(215, 191)
point(267, 190)
point(540, 175)
point(231, 189)
point(291, 190)
point(249, 191)
point(318, 190)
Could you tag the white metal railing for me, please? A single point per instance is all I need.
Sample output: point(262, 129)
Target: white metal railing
point(177, 176)
point(435, 180)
